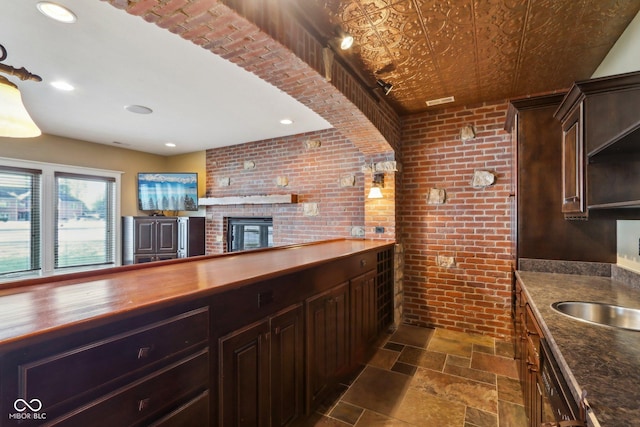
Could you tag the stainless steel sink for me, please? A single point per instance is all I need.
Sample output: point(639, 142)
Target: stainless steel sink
point(602, 314)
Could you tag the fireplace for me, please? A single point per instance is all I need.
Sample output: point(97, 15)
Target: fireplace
point(249, 233)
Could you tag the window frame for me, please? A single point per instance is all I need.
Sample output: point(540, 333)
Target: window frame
point(47, 214)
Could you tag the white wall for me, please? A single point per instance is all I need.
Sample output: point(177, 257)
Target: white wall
point(624, 56)
point(628, 235)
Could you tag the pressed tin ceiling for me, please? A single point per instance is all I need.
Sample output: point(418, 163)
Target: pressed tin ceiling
point(474, 50)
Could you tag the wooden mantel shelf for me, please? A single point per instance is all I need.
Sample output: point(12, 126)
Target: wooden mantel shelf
point(249, 200)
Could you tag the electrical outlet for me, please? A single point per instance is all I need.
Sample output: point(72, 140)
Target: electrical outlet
point(379, 230)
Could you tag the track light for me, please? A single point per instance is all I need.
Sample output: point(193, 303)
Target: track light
point(346, 39)
point(386, 87)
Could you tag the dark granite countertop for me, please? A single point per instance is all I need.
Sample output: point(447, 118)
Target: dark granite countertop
point(602, 360)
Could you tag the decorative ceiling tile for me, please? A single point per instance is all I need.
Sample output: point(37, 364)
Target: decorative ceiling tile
point(477, 50)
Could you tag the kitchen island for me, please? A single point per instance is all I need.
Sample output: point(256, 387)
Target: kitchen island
point(603, 361)
point(157, 344)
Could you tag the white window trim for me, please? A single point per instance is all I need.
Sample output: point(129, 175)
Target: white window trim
point(47, 226)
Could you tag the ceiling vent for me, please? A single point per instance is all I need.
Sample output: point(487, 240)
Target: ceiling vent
point(439, 101)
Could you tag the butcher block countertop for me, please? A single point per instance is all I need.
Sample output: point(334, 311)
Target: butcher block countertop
point(603, 361)
point(31, 308)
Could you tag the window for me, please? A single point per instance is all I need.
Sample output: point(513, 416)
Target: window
point(84, 220)
point(54, 218)
point(19, 220)
point(249, 233)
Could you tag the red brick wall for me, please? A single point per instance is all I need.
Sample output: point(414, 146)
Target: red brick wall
point(313, 174)
point(473, 225)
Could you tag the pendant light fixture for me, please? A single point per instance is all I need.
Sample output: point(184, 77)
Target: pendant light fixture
point(15, 121)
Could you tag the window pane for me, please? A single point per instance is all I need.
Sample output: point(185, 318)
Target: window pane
point(19, 220)
point(84, 221)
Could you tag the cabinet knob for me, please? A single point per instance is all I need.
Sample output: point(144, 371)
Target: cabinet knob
point(143, 404)
point(363, 263)
point(143, 352)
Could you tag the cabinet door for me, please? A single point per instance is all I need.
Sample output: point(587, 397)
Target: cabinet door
point(145, 241)
point(167, 236)
point(287, 351)
point(244, 376)
point(362, 314)
point(573, 203)
point(327, 341)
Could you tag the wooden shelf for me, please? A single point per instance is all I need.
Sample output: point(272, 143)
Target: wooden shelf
point(249, 200)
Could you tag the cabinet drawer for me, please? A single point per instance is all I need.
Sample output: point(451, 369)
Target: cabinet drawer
point(147, 398)
point(83, 369)
point(194, 413)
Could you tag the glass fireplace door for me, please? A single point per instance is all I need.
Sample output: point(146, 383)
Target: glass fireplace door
point(249, 233)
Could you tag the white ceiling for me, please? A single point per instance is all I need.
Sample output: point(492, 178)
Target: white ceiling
point(113, 59)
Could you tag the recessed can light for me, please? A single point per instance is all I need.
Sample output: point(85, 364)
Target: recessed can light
point(57, 12)
point(138, 109)
point(60, 85)
point(286, 121)
point(170, 144)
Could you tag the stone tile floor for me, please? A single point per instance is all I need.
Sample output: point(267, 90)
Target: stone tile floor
point(431, 377)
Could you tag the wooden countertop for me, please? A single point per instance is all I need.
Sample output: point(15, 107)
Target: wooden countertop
point(29, 309)
point(602, 360)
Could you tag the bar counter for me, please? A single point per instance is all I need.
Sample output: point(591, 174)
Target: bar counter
point(31, 308)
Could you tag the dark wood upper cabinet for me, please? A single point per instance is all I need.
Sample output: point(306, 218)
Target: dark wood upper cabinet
point(573, 204)
point(543, 193)
point(602, 117)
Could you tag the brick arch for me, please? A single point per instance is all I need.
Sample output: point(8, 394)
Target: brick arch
point(291, 64)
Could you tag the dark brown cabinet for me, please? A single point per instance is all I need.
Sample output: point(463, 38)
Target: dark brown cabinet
point(147, 239)
point(573, 166)
point(363, 315)
point(261, 372)
point(541, 193)
point(600, 117)
point(133, 372)
point(327, 341)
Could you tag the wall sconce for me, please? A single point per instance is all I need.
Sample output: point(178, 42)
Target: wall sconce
point(377, 184)
point(386, 87)
point(15, 121)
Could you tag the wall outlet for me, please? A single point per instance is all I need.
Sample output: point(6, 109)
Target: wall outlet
point(379, 230)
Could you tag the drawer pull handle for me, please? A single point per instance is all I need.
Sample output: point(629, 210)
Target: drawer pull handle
point(143, 352)
point(143, 404)
point(363, 262)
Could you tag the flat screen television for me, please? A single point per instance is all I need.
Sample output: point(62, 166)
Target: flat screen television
point(168, 191)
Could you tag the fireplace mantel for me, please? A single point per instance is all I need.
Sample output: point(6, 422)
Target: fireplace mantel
point(249, 200)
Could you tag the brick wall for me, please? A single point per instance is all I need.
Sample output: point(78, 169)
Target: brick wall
point(472, 226)
point(314, 174)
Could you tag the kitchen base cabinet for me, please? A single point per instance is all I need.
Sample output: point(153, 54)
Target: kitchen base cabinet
point(327, 342)
point(261, 372)
point(546, 401)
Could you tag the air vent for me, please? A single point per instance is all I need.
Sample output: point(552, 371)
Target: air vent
point(439, 101)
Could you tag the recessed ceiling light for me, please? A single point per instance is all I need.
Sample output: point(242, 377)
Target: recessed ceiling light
point(347, 42)
point(57, 12)
point(286, 121)
point(170, 144)
point(138, 109)
point(62, 85)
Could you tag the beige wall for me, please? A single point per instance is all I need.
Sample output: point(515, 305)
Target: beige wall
point(54, 149)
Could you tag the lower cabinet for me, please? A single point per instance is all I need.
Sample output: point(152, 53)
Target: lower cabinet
point(133, 372)
point(261, 372)
point(363, 315)
point(327, 342)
